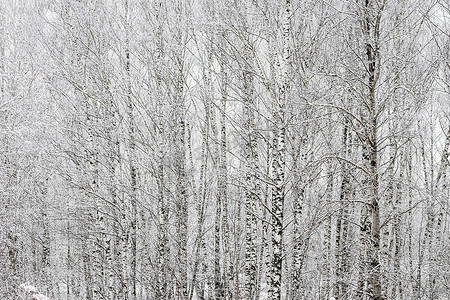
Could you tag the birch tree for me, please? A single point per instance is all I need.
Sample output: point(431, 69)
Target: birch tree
point(278, 158)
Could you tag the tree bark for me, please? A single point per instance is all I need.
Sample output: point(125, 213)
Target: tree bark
point(278, 159)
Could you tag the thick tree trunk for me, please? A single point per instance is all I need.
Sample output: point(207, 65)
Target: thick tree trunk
point(371, 211)
point(252, 189)
point(251, 168)
point(278, 160)
point(181, 198)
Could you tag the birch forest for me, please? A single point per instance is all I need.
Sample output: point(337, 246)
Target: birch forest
point(223, 149)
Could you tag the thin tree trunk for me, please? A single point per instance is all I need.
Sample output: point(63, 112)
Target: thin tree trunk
point(387, 232)
point(200, 268)
point(435, 239)
point(181, 197)
point(132, 242)
point(414, 284)
point(342, 223)
point(326, 248)
point(299, 191)
point(429, 220)
point(163, 289)
point(223, 181)
point(45, 237)
point(397, 288)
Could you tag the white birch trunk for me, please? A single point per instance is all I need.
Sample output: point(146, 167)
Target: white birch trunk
point(371, 211)
point(388, 210)
point(252, 185)
point(278, 159)
point(180, 162)
point(223, 180)
point(163, 288)
point(326, 247)
point(299, 192)
point(132, 237)
point(342, 252)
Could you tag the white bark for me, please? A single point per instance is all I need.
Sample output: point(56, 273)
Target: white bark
point(278, 159)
